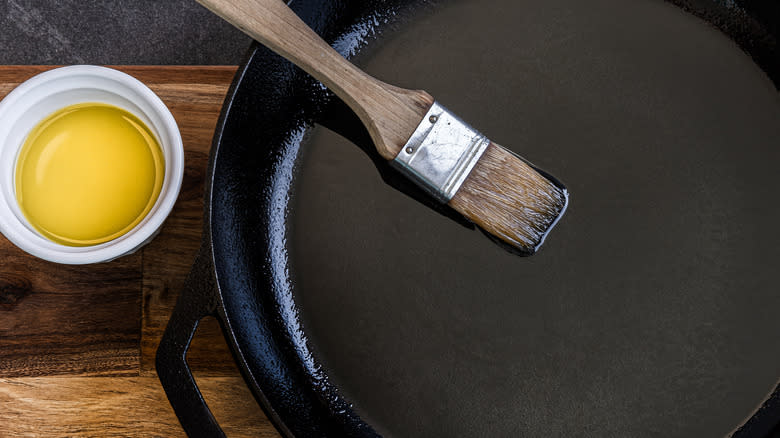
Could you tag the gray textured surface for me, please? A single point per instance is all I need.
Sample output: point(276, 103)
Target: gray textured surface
point(115, 32)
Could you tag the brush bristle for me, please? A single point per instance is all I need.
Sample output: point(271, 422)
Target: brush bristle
point(510, 200)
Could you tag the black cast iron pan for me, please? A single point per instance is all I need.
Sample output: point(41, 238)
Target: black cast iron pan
point(243, 274)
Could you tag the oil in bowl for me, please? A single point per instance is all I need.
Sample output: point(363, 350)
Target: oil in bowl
point(88, 173)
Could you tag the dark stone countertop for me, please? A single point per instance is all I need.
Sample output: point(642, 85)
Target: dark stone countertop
point(116, 32)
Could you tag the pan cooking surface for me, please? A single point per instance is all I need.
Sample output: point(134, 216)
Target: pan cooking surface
point(651, 310)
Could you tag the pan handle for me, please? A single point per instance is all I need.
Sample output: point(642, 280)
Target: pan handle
point(197, 300)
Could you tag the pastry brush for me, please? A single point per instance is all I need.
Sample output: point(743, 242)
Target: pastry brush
point(488, 184)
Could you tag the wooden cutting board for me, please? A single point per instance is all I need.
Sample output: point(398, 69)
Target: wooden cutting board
point(77, 343)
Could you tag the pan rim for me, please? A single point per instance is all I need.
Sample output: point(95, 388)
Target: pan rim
point(323, 395)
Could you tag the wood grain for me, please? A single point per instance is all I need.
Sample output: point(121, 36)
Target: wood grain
point(118, 407)
point(77, 343)
point(390, 113)
point(167, 259)
point(57, 319)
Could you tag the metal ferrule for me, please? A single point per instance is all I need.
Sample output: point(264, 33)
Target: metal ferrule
point(441, 153)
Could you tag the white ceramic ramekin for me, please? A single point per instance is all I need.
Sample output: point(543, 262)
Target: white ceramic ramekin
point(44, 94)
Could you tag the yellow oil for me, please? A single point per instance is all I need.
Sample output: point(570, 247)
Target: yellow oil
point(88, 173)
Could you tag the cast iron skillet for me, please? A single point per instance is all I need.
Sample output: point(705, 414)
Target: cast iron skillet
point(241, 273)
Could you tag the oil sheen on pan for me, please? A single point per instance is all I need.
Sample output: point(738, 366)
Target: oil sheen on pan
point(651, 309)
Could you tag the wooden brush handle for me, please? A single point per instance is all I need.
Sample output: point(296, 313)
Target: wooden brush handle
point(390, 113)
